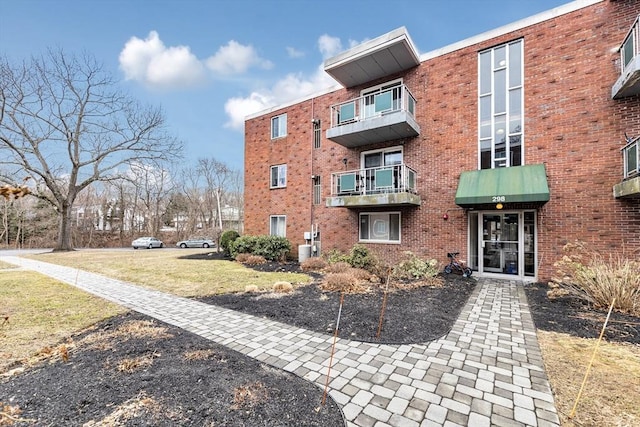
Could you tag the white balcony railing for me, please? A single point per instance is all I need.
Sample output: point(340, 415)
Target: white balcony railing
point(631, 154)
point(370, 181)
point(630, 48)
point(397, 98)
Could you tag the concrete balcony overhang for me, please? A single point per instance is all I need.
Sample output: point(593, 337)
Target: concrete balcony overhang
point(374, 200)
point(383, 56)
point(628, 84)
point(386, 127)
point(629, 188)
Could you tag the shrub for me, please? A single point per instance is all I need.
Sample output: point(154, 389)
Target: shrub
point(361, 257)
point(590, 276)
point(226, 239)
point(242, 258)
point(255, 260)
point(343, 282)
point(334, 256)
point(412, 267)
point(282, 287)
point(313, 264)
point(272, 248)
point(339, 267)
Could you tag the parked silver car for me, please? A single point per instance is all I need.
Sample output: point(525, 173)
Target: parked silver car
point(147, 242)
point(196, 243)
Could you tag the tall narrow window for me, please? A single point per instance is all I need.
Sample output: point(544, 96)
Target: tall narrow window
point(278, 176)
point(317, 133)
point(279, 126)
point(317, 190)
point(500, 106)
point(278, 225)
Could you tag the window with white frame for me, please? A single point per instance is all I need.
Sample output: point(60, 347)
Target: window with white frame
point(278, 225)
point(380, 227)
point(279, 176)
point(501, 106)
point(279, 126)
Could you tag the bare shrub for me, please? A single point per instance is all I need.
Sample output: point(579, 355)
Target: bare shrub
point(255, 260)
point(282, 287)
point(338, 267)
point(242, 258)
point(361, 274)
point(251, 288)
point(598, 279)
point(344, 282)
point(313, 264)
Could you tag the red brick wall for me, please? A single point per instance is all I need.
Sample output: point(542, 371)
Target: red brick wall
point(571, 125)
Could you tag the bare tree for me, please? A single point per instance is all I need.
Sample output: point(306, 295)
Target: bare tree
point(63, 122)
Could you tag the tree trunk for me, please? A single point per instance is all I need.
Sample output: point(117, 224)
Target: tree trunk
point(64, 229)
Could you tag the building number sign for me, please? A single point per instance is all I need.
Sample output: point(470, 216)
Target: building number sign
point(498, 199)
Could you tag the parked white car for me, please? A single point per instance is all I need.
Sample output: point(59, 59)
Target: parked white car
point(147, 242)
point(196, 243)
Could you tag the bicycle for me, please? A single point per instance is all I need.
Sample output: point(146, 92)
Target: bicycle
point(456, 265)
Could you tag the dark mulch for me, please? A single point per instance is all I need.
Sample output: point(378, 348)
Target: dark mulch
point(201, 392)
point(572, 316)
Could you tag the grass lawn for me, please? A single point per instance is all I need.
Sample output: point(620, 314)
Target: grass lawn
point(39, 312)
point(165, 271)
point(42, 312)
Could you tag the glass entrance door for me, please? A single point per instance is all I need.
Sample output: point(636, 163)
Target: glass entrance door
point(500, 242)
point(503, 242)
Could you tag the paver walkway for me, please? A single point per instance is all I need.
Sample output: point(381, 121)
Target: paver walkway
point(487, 371)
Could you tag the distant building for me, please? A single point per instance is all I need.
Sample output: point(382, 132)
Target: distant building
point(504, 146)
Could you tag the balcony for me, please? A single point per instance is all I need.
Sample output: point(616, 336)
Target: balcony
point(630, 185)
point(384, 116)
point(628, 84)
point(374, 187)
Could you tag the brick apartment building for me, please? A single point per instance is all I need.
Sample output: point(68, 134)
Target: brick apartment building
point(504, 146)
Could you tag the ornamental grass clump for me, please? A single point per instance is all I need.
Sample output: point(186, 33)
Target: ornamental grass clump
point(313, 264)
point(598, 279)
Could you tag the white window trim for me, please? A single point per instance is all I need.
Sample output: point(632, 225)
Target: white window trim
point(389, 242)
point(375, 88)
point(382, 150)
point(278, 180)
point(271, 217)
point(279, 116)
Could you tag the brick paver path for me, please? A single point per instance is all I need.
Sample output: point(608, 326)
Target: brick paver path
point(487, 371)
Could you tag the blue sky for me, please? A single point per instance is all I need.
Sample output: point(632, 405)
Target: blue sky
point(210, 63)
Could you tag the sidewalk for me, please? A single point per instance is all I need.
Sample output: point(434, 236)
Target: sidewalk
point(487, 371)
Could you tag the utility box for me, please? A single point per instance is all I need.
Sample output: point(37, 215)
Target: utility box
point(304, 252)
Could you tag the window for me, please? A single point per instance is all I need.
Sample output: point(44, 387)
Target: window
point(383, 227)
point(278, 225)
point(279, 126)
point(381, 169)
point(278, 176)
point(384, 98)
point(317, 190)
point(501, 106)
point(317, 133)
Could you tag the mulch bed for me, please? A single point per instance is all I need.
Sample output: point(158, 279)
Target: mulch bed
point(183, 379)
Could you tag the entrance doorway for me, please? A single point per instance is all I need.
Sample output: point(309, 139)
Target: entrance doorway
point(503, 242)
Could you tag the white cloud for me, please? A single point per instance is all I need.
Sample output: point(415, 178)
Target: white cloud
point(150, 62)
point(329, 46)
point(289, 88)
point(236, 58)
point(294, 53)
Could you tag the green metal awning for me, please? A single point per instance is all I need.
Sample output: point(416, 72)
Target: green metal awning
point(516, 184)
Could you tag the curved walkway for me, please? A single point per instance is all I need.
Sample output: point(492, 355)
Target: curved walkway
point(487, 371)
